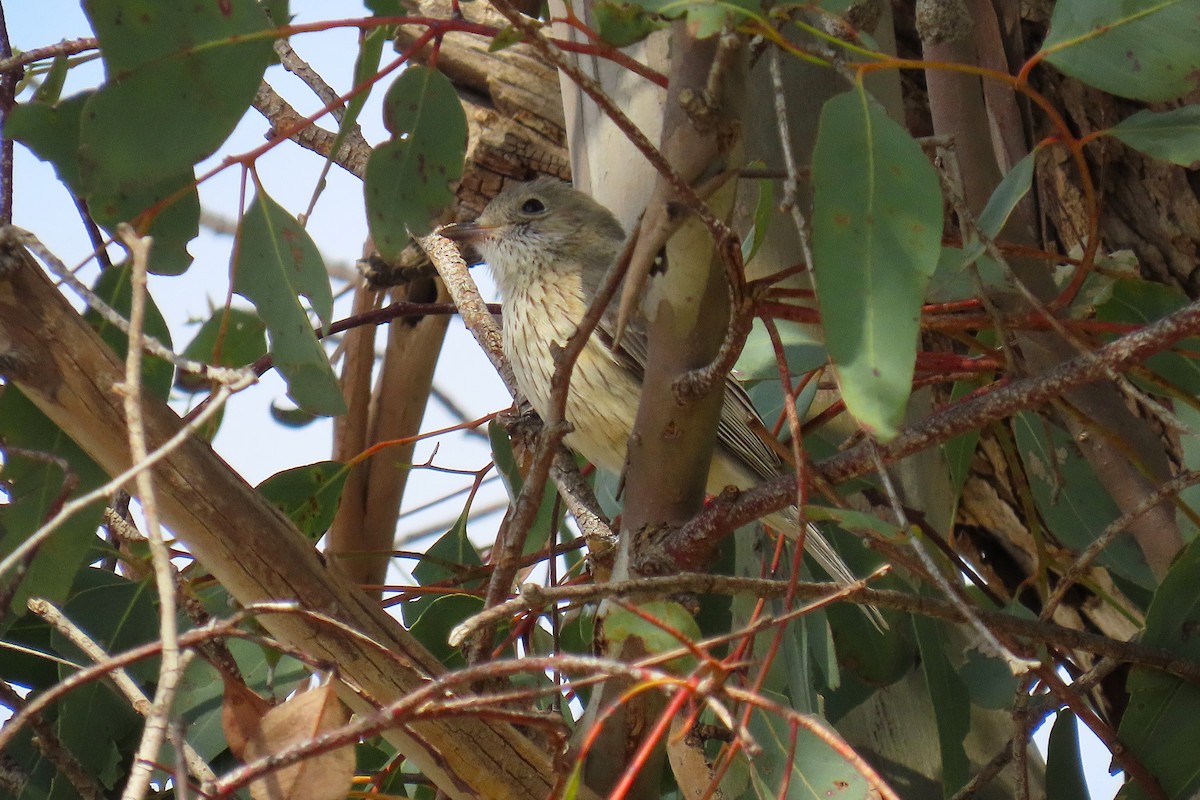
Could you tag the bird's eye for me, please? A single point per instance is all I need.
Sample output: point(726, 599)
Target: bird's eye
point(533, 206)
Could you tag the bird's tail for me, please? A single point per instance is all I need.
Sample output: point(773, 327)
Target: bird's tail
point(815, 543)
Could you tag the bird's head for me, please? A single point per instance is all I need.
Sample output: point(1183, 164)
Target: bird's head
point(542, 225)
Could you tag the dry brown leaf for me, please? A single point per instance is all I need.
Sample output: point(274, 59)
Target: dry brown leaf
point(305, 716)
point(241, 716)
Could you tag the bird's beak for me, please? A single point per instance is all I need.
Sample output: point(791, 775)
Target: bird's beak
point(466, 232)
point(468, 236)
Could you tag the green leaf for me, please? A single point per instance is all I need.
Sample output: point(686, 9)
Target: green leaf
point(229, 338)
point(365, 67)
point(953, 280)
point(52, 85)
point(505, 38)
point(385, 8)
point(1013, 187)
point(854, 521)
point(1144, 302)
point(276, 263)
point(951, 704)
point(659, 634)
point(179, 77)
point(544, 523)
point(1170, 135)
point(1143, 49)
point(1070, 498)
point(114, 287)
point(877, 230)
point(961, 449)
point(440, 616)
point(94, 722)
point(173, 226)
point(1064, 769)
point(802, 352)
point(878, 658)
point(309, 495)
point(35, 491)
point(622, 24)
point(1162, 723)
point(764, 210)
point(292, 417)
point(443, 562)
point(815, 770)
point(408, 177)
point(52, 132)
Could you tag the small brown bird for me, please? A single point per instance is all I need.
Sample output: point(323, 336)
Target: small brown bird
point(549, 247)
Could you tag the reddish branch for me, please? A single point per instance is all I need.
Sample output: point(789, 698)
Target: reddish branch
point(732, 510)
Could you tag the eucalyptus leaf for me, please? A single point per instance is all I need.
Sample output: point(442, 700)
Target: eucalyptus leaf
point(1070, 498)
point(1142, 49)
point(1170, 135)
point(52, 132)
point(309, 495)
point(35, 488)
point(276, 263)
point(877, 236)
point(409, 177)
point(1012, 188)
point(951, 704)
point(179, 77)
point(231, 337)
point(811, 768)
point(1162, 723)
point(1064, 767)
point(114, 287)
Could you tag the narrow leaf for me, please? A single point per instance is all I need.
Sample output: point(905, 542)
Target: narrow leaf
point(1064, 768)
point(1071, 499)
point(877, 229)
point(1170, 135)
point(814, 770)
point(276, 263)
point(951, 704)
point(365, 67)
point(1014, 186)
point(1162, 723)
point(34, 490)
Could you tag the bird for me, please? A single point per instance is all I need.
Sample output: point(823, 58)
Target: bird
point(549, 247)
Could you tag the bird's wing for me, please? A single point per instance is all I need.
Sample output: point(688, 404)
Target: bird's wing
point(734, 430)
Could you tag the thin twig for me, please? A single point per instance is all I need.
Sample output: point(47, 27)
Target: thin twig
point(1084, 561)
point(45, 738)
point(1016, 664)
point(791, 186)
point(38, 537)
point(110, 315)
point(727, 513)
point(534, 597)
point(8, 97)
point(196, 764)
point(170, 671)
point(67, 47)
